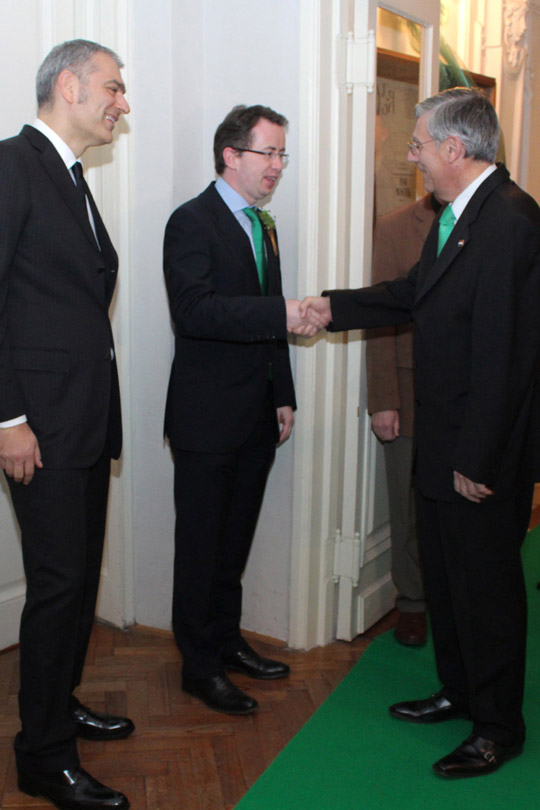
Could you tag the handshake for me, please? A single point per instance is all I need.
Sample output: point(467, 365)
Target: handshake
point(309, 316)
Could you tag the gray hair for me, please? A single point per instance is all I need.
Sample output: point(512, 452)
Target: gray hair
point(74, 55)
point(467, 114)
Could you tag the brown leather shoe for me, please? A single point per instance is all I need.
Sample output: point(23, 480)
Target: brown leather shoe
point(411, 629)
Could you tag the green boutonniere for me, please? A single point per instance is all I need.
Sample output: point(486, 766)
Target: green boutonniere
point(270, 227)
point(267, 220)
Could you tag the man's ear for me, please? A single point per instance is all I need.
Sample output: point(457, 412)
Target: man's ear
point(231, 157)
point(454, 148)
point(68, 86)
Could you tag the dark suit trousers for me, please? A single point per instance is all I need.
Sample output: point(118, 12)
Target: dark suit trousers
point(476, 596)
point(218, 497)
point(61, 514)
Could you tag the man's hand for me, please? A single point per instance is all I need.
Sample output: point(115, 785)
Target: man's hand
point(300, 324)
point(470, 490)
point(385, 425)
point(316, 309)
point(19, 452)
point(285, 416)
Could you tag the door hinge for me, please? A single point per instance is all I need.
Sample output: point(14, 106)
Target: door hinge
point(348, 557)
point(358, 59)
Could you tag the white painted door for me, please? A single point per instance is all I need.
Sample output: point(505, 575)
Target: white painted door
point(341, 545)
point(365, 588)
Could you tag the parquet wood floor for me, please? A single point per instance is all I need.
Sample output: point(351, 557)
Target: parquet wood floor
point(182, 756)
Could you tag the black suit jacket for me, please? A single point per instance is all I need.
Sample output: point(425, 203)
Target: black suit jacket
point(476, 342)
point(227, 333)
point(56, 364)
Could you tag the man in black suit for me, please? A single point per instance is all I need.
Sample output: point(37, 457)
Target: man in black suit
point(60, 421)
point(474, 301)
point(230, 399)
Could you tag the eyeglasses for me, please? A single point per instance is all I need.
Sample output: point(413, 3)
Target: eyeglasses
point(269, 154)
point(416, 146)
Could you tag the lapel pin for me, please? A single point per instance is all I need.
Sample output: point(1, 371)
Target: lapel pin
point(461, 242)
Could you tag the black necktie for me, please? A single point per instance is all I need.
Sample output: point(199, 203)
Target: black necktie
point(77, 170)
point(84, 193)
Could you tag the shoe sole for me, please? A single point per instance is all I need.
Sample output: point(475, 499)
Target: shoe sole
point(220, 709)
point(103, 735)
point(233, 668)
point(427, 720)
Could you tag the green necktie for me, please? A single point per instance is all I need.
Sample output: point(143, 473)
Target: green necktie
point(258, 242)
point(446, 223)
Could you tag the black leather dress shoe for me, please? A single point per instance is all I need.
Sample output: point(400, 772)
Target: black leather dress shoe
point(476, 757)
point(98, 726)
point(72, 789)
point(433, 709)
point(249, 662)
point(220, 694)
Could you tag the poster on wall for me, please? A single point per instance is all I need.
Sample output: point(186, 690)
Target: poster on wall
point(397, 182)
point(395, 177)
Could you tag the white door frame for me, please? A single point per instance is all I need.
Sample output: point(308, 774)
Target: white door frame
point(333, 467)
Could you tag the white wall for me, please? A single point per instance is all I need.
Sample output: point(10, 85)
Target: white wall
point(251, 57)
point(187, 63)
point(531, 125)
point(191, 63)
point(151, 91)
point(19, 60)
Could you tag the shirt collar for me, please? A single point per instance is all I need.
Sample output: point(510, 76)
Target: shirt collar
point(61, 146)
point(230, 197)
point(461, 201)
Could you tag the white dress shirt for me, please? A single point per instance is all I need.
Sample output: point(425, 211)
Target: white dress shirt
point(461, 201)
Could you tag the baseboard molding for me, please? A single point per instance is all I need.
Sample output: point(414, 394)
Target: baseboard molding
point(374, 602)
point(275, 642)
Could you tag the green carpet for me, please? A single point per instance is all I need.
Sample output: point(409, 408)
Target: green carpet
point(351, 755)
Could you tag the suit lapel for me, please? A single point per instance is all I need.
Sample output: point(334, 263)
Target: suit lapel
point(62, 179)
point(432, 267)
point(233, 235)
point(272, 261)
point(105, 244)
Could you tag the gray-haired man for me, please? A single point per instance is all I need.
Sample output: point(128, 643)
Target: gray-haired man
point(60, 419)
point(474, 301)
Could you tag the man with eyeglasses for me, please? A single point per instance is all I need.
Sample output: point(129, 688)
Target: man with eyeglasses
point(230, 400)
point(473, 298)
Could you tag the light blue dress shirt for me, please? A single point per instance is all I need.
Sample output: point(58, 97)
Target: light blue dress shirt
point(235, 202)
